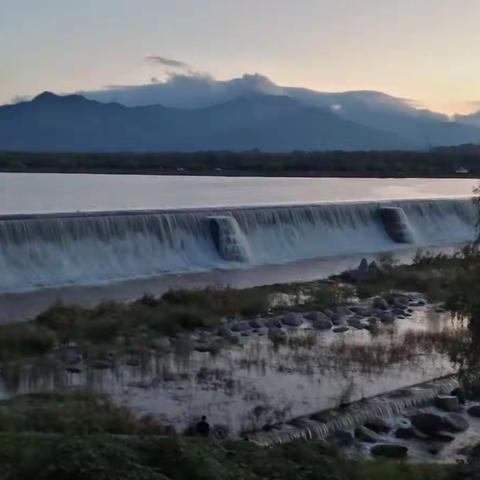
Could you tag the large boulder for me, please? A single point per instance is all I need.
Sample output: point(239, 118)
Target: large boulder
point(454, 422)
point(292, 319)
point(448, 403)
point(428, 422)
point(389, 450)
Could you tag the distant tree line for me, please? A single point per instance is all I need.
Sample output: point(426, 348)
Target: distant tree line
point(448, 161)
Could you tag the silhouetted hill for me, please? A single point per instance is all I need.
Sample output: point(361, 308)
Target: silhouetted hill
point(272, 123)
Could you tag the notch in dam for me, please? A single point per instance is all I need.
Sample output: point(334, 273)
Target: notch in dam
point(396, 224)
point(229, 239)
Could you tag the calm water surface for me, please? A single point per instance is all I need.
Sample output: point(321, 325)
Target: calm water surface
point(47, 193)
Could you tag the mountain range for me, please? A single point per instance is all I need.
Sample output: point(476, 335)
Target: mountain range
point(240, 114)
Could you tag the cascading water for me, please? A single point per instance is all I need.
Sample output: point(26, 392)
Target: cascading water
point(62, 249)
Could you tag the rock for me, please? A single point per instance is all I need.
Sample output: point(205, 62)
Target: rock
point(366, 435)
point(448, 403)
point(387, 318)
point(374, 271)
point(329, 313)
point(340, 329)
point(427, 422)
point(405, 432)
point(362, 311)
point(460, 394)
point(341, 438)
point(418, 303)
point(389, 450)
point(339, 321)
point(292, 319)
point(378, 425)
point(240, 327)
point(274, 323)
point(380, 303)
point(322, 324)
point(442, 437)
point(474, 411)
point(453, 422)
point(256, 323)
point(342, 311)
point(355, 323)
point(312, 316)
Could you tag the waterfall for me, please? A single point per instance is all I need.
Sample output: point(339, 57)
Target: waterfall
point(38, 251)
point(383, 406)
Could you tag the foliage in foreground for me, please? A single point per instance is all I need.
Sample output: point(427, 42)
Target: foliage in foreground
point(103, 457)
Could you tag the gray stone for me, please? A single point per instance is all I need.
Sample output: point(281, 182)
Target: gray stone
point(340, 329)
point(313, 316)
point(274, 323)
point(389, 450)
point(474, 411)
point(355, 323)
point(378, 425)
point(73, 370)
point(427, 422)
point(441, 437)
point(366, 435)
point(240, 327)
point(449, 403)
point(362, 311)
point(257, 323)
point(453, 422)
point(373, 328)
point(322, 324)
point(339, 321)
point(292, 319)
point(380, 303)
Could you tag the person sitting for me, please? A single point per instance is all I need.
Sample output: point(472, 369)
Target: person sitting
point(202, 427)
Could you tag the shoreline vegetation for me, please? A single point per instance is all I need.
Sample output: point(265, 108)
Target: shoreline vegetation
point(80, 435)
point(446, 162)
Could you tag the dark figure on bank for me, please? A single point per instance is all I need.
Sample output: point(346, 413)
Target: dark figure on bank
point(202, 427)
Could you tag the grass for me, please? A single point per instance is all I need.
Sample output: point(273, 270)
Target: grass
point(108, 458)
point(72, 412)
point(138, 322)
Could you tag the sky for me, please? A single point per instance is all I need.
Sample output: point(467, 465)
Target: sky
point(423, 50)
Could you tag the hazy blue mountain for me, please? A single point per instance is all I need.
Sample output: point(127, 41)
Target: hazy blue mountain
point(472, 119)
point(267, 122)
point(377, 110)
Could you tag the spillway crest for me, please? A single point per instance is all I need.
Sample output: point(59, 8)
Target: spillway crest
point(62, 249)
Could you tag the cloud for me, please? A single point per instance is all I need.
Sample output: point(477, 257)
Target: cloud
point(186, 90)
point(20, 98)
point(168, 62)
